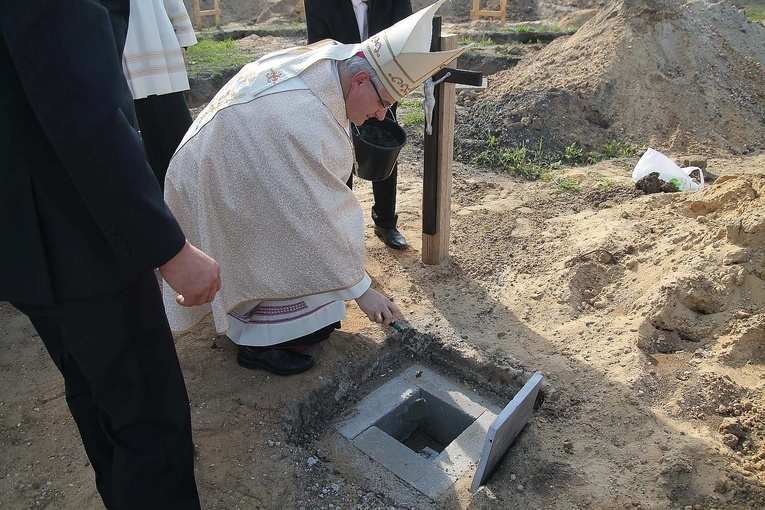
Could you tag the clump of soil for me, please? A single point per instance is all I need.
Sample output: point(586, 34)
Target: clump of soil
point(377, 136)
point(652, 184)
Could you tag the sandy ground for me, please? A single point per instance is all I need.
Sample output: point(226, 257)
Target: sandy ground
point(644, 313)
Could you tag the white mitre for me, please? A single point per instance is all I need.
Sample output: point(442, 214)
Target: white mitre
point(401, 54)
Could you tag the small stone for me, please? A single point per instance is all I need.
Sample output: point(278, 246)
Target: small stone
point(694, 159)
point(732, 426)
point(736, 257)
point(730, 440)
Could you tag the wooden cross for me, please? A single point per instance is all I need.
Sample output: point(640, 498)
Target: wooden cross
point(439, 153)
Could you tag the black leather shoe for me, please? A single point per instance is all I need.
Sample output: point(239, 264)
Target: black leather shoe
point(391, 237)
point(276, 361)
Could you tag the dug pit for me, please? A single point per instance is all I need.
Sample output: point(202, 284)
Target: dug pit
point(427, 431)
point(423, 428)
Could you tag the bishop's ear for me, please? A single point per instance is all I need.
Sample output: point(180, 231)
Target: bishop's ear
point(360, 78)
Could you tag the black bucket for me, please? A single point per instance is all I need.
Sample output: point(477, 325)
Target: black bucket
point(377, 144)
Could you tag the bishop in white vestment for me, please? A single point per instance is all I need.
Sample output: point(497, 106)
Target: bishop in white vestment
point(258, 183)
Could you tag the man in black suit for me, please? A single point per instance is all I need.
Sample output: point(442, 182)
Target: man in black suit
point(83, 225)
point(348, 22)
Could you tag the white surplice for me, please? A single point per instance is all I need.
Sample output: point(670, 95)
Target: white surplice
point(152, 60)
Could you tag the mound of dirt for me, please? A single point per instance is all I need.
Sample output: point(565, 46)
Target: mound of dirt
point(680, 75)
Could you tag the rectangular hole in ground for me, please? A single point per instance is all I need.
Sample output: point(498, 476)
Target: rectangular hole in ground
point(424, 423)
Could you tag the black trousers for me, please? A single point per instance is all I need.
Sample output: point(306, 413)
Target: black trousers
point(163, 121)
point(125, 390)
point(384, 192)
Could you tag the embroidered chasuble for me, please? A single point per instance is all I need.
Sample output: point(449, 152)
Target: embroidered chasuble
point(259, 185)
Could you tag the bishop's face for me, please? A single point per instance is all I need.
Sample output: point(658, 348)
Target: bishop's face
point(365, 101)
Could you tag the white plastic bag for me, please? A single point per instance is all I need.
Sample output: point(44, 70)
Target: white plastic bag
point(655, 161)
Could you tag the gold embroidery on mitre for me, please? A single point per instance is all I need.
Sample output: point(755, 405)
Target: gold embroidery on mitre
point(376, 46)
point(273, 75)
point(402, 85)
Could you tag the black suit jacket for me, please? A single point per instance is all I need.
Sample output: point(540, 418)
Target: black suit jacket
point(335, 19)
point(81, 213)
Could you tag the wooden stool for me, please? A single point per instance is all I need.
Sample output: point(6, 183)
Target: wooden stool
point(198, 13)
point(476, 12)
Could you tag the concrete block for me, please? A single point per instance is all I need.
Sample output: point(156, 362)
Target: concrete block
point(414, 469)
point(423, 401)
point(377, 403)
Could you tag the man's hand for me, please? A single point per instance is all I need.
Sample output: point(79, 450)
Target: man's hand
point(378, 308)
point(193, 275)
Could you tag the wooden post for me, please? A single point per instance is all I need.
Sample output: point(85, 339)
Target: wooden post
point(198, 13)
point(437, 172)
point(198, 17)
point(477, 13)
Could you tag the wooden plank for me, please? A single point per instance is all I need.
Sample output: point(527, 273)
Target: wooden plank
point(475, 9)
point(435, 247)
point(462, 76)
point(492, 14)
point(476, 12)
point(430, 152)
point(199, 14)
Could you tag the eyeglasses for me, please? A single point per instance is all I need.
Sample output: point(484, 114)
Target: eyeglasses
point(382, 103)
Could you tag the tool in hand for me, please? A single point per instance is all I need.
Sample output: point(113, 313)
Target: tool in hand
point(412, 339)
